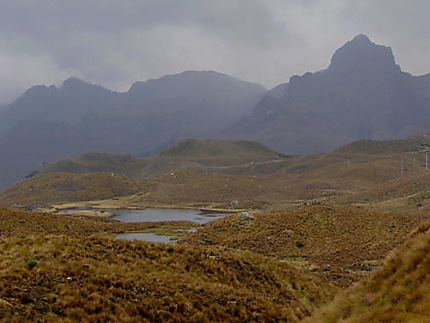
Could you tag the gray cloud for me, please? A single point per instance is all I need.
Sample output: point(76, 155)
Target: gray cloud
point(114, 43)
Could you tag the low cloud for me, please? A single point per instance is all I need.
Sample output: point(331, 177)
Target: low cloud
point(114, 43)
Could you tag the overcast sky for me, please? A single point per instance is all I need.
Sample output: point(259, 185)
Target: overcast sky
point(117, 42)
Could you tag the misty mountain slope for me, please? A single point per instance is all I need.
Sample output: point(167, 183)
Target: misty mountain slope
point(67, 104)
point(29, 145)
point(223, 99)
point(151, 114)
point(362, 94)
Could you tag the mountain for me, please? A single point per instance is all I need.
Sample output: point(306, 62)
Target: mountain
point(362, 94)
point(48, 123)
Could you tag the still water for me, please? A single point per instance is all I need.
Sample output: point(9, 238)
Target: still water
point(159, 215)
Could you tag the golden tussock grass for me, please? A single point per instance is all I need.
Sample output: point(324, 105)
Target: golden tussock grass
point(396, 292)
point(55, 188)
point(63, 269)
point(22, 223)
point(98, 279)
point(333, 239)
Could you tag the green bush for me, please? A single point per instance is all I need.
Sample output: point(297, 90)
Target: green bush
point(31, 263)
point(300, 244)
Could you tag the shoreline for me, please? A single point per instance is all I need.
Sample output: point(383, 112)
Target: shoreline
point(106, 211)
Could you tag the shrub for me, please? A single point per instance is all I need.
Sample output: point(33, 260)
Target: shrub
point(300, 244)
point(31, 263)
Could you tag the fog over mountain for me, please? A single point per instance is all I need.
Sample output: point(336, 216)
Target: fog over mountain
point(362, 94)
point(48, 123)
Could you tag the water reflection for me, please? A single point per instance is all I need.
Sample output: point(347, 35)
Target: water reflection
point(159, 215)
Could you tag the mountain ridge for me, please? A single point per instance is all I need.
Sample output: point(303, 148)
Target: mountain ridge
point(363, 94)
point(134, 122)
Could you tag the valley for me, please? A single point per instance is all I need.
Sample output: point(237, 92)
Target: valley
point(318, 224)
point(307, 202)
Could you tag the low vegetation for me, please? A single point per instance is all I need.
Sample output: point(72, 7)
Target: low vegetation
point(310, 226)
point(213, 156)
point(213, 173)
point(21, 223)
point(126, 165)
point(342, 242)
point(55, 273)
point(397, 292)
point(56, 188)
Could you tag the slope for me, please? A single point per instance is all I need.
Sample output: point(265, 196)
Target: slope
point(362, 94)
point(53, 123)
point(396, 292)
point(343, 241)
point(56, 188)
point(77, 275)
point(210, 156)
point(388, 175)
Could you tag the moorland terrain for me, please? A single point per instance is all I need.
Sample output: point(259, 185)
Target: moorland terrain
point(338, 234)
point(303, 229)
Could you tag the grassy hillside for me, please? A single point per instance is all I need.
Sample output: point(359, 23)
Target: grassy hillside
point(279, 264)
point(219, 152)
point(333, 239)
point(126, 165)
point(406, 193)
point(397, 292)
point(214, 156)
point(381, 147)
point(216, 172)
point(217, 190)
point(55, 188)
point(60, 271)
point(22, 223)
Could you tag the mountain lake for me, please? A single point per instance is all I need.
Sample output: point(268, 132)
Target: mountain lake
point(160, 215)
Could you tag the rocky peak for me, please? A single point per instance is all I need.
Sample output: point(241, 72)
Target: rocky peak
point(361, 55)
point(76, 86)
point(39, 90)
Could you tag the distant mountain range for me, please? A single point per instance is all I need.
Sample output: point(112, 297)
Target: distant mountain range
point(362, 94)
point(49, 123)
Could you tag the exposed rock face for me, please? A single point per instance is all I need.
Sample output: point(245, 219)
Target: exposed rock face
point(360, 55)
point(362, 94)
